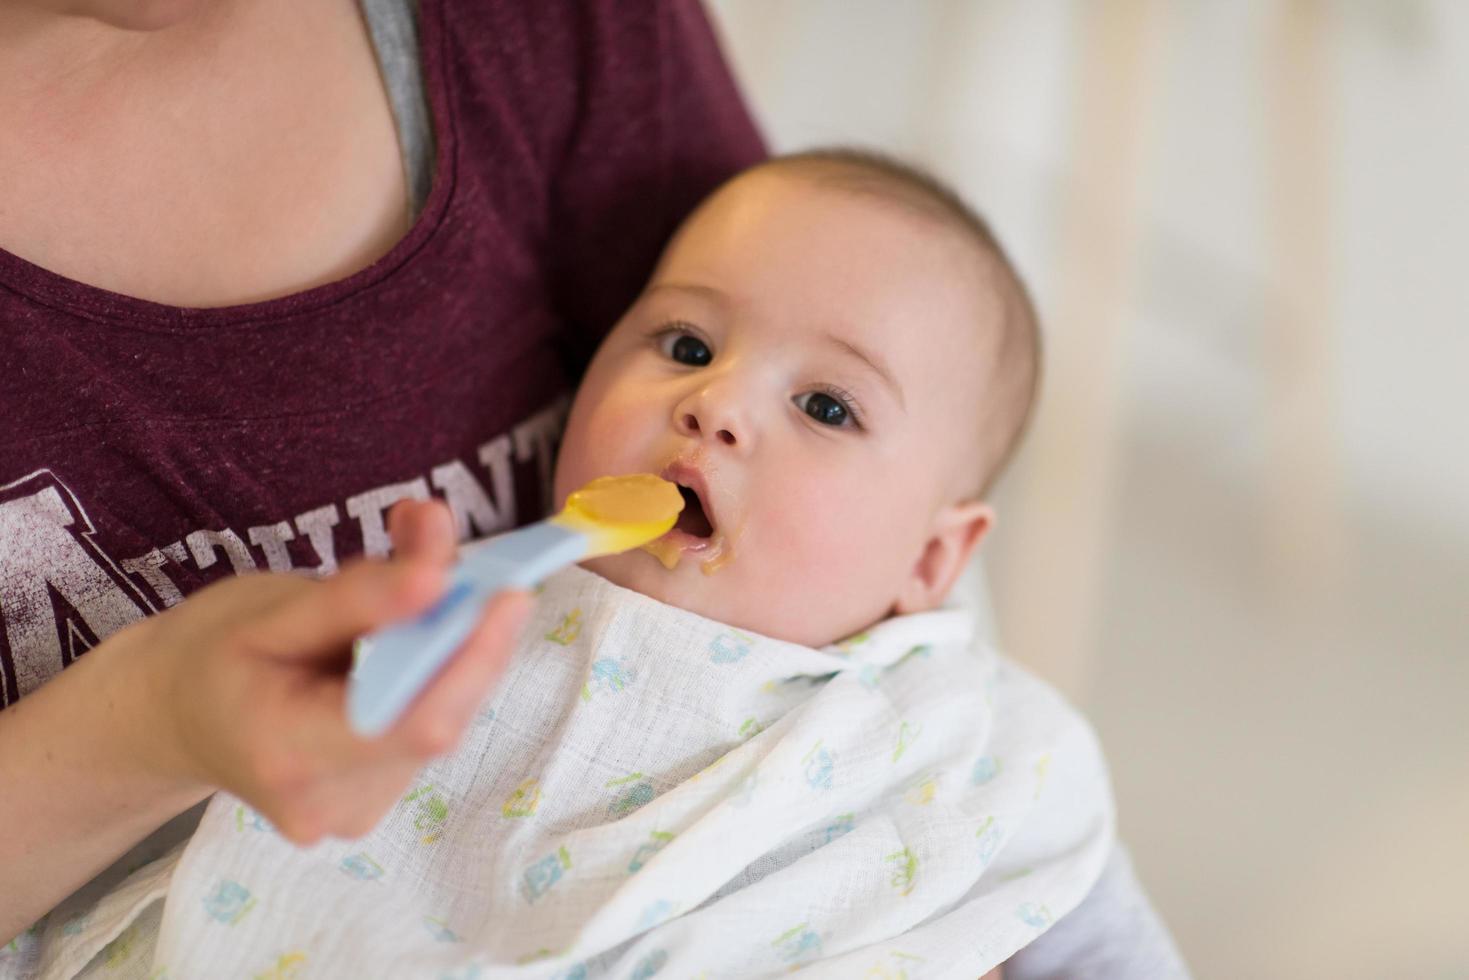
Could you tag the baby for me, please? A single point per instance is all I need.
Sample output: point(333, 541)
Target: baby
point(835, 358)
point(759, 743)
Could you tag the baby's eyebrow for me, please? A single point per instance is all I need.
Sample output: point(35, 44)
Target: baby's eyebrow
point(708, 293)
point(872, 361)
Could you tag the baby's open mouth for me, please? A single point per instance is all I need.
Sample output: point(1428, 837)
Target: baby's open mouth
point(696, 532)
point(692, 519)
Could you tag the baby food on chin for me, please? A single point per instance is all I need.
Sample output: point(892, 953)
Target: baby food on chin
point(718, 552)
point(693, 534)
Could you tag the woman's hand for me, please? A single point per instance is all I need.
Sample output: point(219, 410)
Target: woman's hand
point(241, 687)
point(249, 679)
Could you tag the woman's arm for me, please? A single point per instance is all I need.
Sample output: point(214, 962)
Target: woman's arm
point(78, 789)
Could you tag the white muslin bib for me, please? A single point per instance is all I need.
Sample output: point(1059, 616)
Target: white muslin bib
point(650, 792)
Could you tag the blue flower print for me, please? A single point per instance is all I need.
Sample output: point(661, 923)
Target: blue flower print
point(649, 965)
point(819, 766)
point(986, 767)
point(989, 839)
point(541, 875)
point(797, 943)
point(730, 647)
point(659, 911)
point(639, 794)
point(608, 676)
point(839, 827)
point(361, 867)
point(229, 902)
point(1036, 916)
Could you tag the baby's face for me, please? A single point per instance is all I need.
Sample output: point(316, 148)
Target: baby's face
point(805, 361)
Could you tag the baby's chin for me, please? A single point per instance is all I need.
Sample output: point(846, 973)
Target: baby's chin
point(641, 572)
point(717, 595)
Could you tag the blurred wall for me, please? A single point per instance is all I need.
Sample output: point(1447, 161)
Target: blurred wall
point(1239, 534)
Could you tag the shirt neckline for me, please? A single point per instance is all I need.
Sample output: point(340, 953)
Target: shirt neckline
point(65, 294)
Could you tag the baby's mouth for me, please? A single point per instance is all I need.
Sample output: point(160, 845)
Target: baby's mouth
point(692, 519)
point(697, 531)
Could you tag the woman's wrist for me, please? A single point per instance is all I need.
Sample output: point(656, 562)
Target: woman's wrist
point(142, 689)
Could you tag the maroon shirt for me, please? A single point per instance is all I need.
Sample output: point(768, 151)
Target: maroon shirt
point(146, 450)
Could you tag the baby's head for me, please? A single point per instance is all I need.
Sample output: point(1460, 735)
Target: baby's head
point(835, 359)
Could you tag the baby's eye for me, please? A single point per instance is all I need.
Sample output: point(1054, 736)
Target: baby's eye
point(826, 409)
point(685, 348)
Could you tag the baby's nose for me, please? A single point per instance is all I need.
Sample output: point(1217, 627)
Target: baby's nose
point(714, 412)
point(691, 426)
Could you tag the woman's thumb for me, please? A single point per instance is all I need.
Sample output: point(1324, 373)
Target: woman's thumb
point(422, 529)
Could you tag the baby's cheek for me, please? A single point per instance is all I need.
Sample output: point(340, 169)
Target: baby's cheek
point(838, 520)
point(602, 443)
point(825, 567)
point(830, 540)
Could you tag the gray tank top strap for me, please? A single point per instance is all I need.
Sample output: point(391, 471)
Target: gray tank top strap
point(393, 25)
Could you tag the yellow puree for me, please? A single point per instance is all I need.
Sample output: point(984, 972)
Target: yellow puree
point(622, 512)
point(719, 553)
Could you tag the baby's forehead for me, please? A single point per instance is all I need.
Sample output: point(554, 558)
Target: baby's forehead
point(861, 260)
point(820, 200)
point(835, 192)
point(858, 185)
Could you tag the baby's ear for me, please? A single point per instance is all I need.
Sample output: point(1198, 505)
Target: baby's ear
point(956, 531)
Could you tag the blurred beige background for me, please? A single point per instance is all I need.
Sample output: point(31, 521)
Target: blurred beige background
point(1239, 535)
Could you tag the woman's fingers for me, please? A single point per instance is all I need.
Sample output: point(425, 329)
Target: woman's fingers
point(422, 529)
point(433, 723)
point(363, 596)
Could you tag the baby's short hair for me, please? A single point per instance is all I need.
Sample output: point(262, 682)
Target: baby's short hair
point(1014, 379)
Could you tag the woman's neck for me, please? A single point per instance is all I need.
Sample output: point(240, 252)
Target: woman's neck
point(48, 55)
